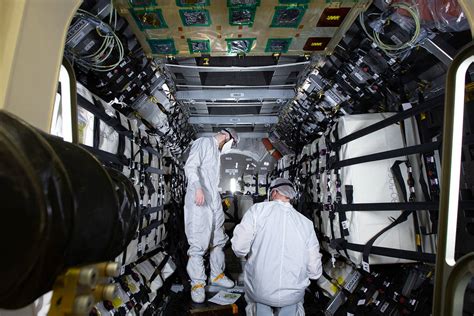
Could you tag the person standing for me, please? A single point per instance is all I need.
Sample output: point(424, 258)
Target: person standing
point(203, 214)
point(282, 253)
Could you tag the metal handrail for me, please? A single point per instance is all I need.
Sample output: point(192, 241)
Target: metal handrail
point(73, 95)
point(452, 276)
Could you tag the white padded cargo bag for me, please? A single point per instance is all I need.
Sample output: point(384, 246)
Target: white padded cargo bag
point(372, 182)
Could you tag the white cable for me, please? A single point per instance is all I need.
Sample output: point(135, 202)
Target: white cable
point(96, 60)
point(397, 48)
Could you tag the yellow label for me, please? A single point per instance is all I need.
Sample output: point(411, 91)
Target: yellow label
point(333, 17)
point(340, 280)
point(333, 288)
point(117, 302)
point(317, 44)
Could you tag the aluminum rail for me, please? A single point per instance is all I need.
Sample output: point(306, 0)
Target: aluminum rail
point(73, 98)
point(236, 87)
point(238, 69)
point(451, 275)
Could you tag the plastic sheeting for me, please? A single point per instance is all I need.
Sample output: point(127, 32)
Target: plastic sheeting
point(444, 15)
point(217, 22)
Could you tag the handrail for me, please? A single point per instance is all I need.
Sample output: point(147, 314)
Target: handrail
point(73, 96)
point(450, 275)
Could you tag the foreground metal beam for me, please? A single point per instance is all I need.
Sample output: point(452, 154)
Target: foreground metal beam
point(437, 51)
point(235, 87)
point(237, 120)
point(452, 275)
point(177, 68)
point(235, 94)
point(241, 135)
point(234, 104)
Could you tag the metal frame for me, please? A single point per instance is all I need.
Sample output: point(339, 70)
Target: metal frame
point(452, 276)
point(238, 69)
point(237, 120)
point(437, 51)
point(73, 97)
point(236, 87)
point(33, 32)
point(241, 135)
point(235, 94)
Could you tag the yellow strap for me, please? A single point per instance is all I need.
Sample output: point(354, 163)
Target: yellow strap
point(217, 278)
point(197, 286)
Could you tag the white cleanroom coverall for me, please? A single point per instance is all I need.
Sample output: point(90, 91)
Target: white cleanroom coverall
point(283, 253)
point(204, 225)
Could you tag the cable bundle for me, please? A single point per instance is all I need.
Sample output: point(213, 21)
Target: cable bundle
point(100, 59)
point(393, 49)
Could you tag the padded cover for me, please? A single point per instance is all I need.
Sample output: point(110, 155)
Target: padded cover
point(372, 182)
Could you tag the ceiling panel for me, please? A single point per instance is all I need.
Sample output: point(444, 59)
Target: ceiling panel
point(221, 28)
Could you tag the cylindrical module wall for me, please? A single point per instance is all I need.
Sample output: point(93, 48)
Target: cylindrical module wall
point(60, 208)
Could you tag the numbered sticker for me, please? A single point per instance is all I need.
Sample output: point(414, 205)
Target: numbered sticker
point(365, 266)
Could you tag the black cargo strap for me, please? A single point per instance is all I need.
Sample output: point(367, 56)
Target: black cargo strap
point(397, 174)
point(428, 197)
point(332, 157)
point(98, 110)
point(153, 225)
point(96, 134)
point(391, 252)
point(132, 153)
point(411, 197)
point(151, 150)
point(152, 210)
point(406, 151)
point(150, 169)
point(412, 206)
point(368, 246)
point(159, 267)
point(349, 189)
point(386, 122)
point(400, 219)
point(424, 185)
point(107, 157)
point(121, 144)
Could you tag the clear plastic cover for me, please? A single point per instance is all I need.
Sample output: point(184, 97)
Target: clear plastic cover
point(241, 16)
point(232, 3)
point(195, 17)
point(288, 16)
point(218, 21)
point(443, 15)
point(447, 15)
point(240, 46)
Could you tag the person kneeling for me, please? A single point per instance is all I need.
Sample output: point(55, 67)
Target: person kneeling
point(283, 253)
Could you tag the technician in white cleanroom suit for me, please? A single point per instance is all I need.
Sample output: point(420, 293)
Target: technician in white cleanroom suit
point(283, 253)
point(203, 214)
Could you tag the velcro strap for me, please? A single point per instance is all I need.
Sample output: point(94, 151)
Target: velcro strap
point(217, 278)
point(197, 286)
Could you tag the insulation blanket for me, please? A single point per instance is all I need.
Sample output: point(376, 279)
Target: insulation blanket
point(372, 182)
